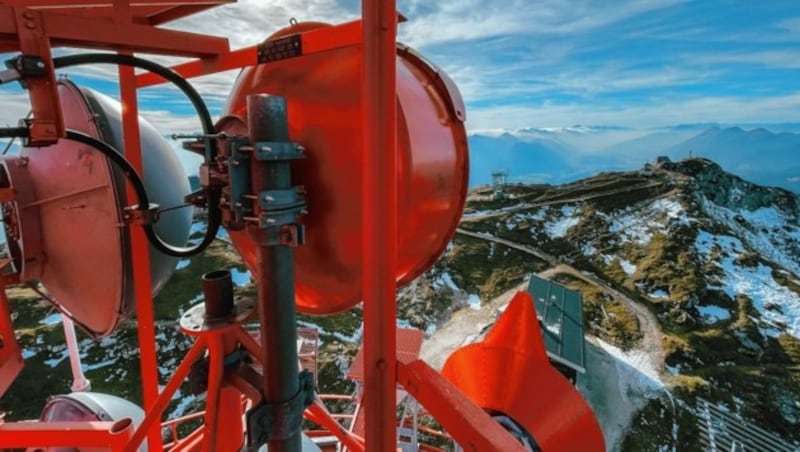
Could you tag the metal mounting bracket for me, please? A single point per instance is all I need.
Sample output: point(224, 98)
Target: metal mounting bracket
point(279, 420)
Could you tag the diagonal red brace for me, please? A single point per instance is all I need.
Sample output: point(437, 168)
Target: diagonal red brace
point(466, 422)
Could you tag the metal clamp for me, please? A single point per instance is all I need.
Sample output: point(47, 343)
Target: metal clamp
point(143, 217)
point(292, 235)
point(28, 65)
point(239, 184)
point(279, 421)
point(281, 207)
point(272, 150)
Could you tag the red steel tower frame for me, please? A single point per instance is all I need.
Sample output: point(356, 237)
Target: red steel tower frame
point(35, 27)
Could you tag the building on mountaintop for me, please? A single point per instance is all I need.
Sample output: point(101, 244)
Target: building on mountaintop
point(560, 313)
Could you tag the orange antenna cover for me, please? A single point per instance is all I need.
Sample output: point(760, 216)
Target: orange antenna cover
point(510, 375)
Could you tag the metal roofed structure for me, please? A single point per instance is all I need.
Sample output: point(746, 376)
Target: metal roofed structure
point(721, 429)
point(560, 312)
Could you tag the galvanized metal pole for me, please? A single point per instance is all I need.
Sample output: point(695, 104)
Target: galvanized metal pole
point(267, 122)
point(379, 220)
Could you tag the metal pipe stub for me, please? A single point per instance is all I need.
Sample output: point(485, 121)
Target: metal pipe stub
point(218, 294)
point(219, 309)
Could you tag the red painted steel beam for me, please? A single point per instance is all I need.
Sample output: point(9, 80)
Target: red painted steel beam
point(379, 220)
point(11, 362)
point(465, 421)
point(319, 414)
point(21, 435)
point(140, 246)
point(77, 31)
point(314, 41)
point(48, 124)
point(62, 4)
point(175, 13)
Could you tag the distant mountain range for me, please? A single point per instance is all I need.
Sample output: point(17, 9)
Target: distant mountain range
point(557, 155)
point(765, 154)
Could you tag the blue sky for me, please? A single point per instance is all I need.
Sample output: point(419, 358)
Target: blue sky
point(551, 63)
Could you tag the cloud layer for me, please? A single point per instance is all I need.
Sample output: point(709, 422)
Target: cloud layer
point(519, 63)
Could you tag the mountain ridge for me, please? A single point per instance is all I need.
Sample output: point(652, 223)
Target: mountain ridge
point(714, 257)
point(767, 157)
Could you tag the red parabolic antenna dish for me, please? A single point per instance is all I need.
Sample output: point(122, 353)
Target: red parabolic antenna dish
point(323, 95)
point(70, 232)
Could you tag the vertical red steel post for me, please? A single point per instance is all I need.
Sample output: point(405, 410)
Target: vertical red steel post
point(11, 362)
point(140, 247)
point(148, 360)
point(379, 219)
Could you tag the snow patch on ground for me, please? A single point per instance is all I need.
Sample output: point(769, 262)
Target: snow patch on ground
point(658, 294)
point(765, 230)
point(713, 313)
point(186, 402)
point(635, 366)
point(240, 278)
point(639, 224)
point(627, 266)
point(481, 213)
point(558, 228)
point(51, 319)
point(445, 280)
point(778, 306)
point(474, 301)
point(351, 338)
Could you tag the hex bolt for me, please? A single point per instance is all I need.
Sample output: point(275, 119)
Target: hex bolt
point(268, 198)
point(266, 148)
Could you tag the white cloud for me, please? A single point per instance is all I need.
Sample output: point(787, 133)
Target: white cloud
point(459, 20)
point(791, 25)
point(513, 52)
point(168, 123)
point(16, 105)
point(788, 59)
point(655, 112)
point(248, 22)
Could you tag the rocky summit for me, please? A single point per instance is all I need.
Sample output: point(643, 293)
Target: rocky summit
point(691, 284)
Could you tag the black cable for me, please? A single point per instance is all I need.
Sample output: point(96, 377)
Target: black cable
point(214, 194)
point(143, 203)
point(13, 132)
point(163, 71)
